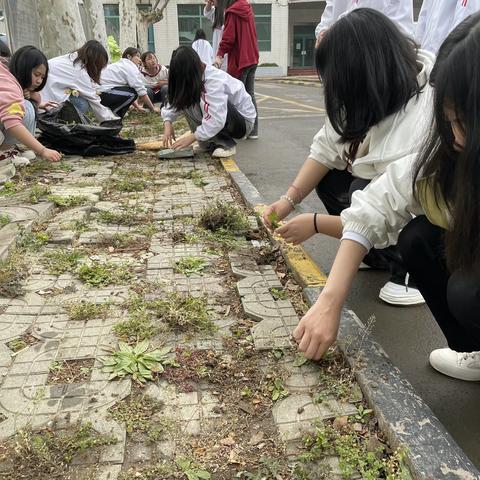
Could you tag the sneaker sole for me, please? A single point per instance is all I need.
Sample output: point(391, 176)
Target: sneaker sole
point(460, 375)
point(401, 301)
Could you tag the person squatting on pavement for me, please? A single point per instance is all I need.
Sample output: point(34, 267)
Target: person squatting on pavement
point(216, 105)
point(429, 205)
point(372, 98)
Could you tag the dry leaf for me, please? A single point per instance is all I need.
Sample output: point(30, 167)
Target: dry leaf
point(228, 441)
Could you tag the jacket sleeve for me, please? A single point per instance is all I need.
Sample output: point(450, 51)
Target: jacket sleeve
point(169, 114)
point(379, 212)
point(86, 89)
point(326, 20)
point(228, 37)
point(134, 79)
point(325, 148)
point(214, 112)
point(210, 14)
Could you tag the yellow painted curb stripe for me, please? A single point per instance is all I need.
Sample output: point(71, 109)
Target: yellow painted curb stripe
point(304, 268)
point(229, 165)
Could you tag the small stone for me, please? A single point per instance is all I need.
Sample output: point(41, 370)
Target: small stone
point(256, 438)
point(340, 422)
point(358, 427)
point(300, 410)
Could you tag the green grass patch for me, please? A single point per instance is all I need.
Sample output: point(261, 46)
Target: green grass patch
point(31, 241)
point(102, 274)
point(4, 219)
point(13, 272)
point(129, 185)
point(61, 260)
point(85, 311)
point(17, 344)
point(65, 202)
point(189, 266)
point(9, 188)
point(37, 192)
point(127, 218)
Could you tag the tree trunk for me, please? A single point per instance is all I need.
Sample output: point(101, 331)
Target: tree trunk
point(60, 27)
point(128, 24)
point(95, 19)
point(142, 32)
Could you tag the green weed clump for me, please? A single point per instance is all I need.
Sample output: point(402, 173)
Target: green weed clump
point(102, 274)
point(61, 260)
point(13, 272)
point(85, 311)
point(64, 202)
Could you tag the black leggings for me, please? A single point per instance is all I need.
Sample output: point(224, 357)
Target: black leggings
point(119, 99)
point(453, 298)
point(335, 191)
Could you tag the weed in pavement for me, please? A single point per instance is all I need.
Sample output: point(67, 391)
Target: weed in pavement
point(84, 311)
point(102, 274)
point(61, 260)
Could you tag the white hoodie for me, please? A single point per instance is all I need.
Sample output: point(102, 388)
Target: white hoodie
point(219, 89)
point(438, 18)
point(123, 73)
point(399, 11)
point(393, 138)
point(64, 77)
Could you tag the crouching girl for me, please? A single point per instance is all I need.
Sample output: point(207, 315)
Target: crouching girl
point(217, 106)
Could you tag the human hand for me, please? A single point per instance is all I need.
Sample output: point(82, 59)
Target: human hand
point(298, 229)
point(318, 329)
point(281, 208)
point(184, 142)
point(168, 134)
point(50, 155)
point(218, 61)
point(26, 94)
point(156, 109)
point(48, 105)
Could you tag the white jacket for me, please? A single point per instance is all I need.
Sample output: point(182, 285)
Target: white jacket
point(380, 211)
point(399, 11)
point(438, 18)
point(217, 37)
point(204, 50)
point(123, 73)
point(65, 76)
point(394, 137)
point(219, 89)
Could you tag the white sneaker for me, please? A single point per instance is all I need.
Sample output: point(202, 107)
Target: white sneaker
point(253, 137)
point(224, 152)
point(461, 365)
point(401, 295)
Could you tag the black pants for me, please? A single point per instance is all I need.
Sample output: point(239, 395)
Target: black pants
point(235, 127)
point(453, 298)
point(335, 191)
point(159, 96)
point(248, 79)
point(119, 99)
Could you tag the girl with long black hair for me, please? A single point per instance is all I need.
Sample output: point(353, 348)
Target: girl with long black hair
point(215, 11)
point(217, 106)
point(378, 101)
point(433, 199)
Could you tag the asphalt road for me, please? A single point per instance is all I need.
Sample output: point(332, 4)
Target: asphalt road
point(290, 115)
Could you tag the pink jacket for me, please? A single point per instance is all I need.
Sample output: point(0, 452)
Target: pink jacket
point(12, 106)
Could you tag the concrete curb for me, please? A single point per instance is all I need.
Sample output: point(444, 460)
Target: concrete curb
point(431, 452)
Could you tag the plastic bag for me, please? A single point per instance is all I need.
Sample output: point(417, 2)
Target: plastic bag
point(66, 129)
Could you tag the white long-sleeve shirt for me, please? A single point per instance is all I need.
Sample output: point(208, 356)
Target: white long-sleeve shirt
point(204, 50)
point(217, 36)
point(64, 76)
point(123, 73)
point(438, 18)
point(399, 11)
point(396, 136)
point(219, 89)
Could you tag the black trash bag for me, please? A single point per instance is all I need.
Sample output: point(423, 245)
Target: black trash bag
point(66, 129)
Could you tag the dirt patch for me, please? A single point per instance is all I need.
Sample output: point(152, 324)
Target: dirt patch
point(67, 372)
point(26, 340)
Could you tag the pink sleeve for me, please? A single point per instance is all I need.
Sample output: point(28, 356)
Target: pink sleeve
point(12, 103)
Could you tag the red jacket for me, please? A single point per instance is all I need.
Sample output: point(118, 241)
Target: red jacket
point(239, 38)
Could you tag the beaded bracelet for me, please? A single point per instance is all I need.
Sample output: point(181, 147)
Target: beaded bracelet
point(289, 200)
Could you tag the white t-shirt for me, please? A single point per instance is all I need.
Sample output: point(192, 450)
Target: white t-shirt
point(152, 80)
point(123, 73)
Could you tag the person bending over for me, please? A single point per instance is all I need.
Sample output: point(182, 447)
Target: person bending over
point(429, 205)
point(217, 106)
point(378, 105)
point(76, 77)
point(122, 83)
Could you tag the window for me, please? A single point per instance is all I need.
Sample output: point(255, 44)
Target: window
point(263, 22)
point(151, 34)
point(190, 19)
point(112, 22)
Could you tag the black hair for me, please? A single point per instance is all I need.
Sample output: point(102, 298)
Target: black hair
point(219, 14)
point(229, 3)
point(130, 52)
point(4, 50)
point(94, 58)
point(146, 54)
point(199, 35)
point(23, 61)
point(369, 71)
point(454, 176)
point(185, 78)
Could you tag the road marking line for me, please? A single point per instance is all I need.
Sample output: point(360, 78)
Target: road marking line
point(229, 165)
point(293, 102)
point(288, 117)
